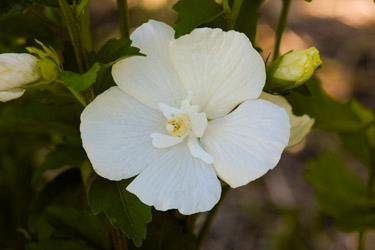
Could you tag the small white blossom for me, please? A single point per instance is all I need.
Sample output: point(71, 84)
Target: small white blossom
point(16, 71)
point(183, 116)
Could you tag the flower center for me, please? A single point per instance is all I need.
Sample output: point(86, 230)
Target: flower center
point(184, 122)
point(179, 125)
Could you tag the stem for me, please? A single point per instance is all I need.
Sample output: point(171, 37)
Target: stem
point(78, 95)
point(119, 239)
point(236, 7)
point(371, 182)
point(86, 29)
point(226, 7)
point(74, 27)
point(281, 27)
point(123, 15)
point(206, 226)
point(361, 240)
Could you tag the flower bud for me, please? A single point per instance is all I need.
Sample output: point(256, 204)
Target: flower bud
point(292, 70)
point(16, 71)
point(48, 61)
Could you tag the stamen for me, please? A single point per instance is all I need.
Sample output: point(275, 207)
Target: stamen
point(179, 125)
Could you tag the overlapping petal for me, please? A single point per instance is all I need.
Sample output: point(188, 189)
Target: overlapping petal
point(115, 131)
point(222, 69)
point(178, 180)
point(247, 142)
point(151, 79)
point(300, 125)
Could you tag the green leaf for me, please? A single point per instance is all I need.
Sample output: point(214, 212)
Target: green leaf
point(122, 208)
point(329, 114)
point(116, 49)
point(65, 190)
point(104, 80)
point(361, 143)
point(247, 21)
point(340, 193)
point(192, 13)
point(80, 223)
point(58, 245)
point(166, 232)
point(80, 81)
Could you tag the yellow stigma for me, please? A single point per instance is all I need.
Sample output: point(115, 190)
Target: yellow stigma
point(179, 125)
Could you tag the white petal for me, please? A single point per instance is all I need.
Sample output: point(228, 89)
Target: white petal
point(222, 69)
point(160, 140)
point(11, 94)
point(151, 79)
point(247, 142)
point(300, 125)
point(198, 122)
point(178, 181)
point(197, 151)
point(115, 131)
point(168, 111)
point(17, 70)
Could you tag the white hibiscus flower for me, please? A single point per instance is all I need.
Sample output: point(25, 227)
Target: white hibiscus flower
point(183, 116)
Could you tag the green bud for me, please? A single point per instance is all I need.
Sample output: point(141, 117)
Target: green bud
point(49, 63)
point(292, 70)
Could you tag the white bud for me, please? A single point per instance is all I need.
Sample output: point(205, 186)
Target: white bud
point(16, 71)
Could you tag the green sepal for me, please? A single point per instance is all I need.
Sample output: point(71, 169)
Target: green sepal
point(48, 61)
point(275, 85)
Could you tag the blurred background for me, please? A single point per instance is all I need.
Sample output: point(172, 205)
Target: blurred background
point(278, 211)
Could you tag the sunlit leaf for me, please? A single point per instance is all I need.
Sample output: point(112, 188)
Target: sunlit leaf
point(329, 114)
point(192, 13)
point(340, 193)
point(122, 208)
